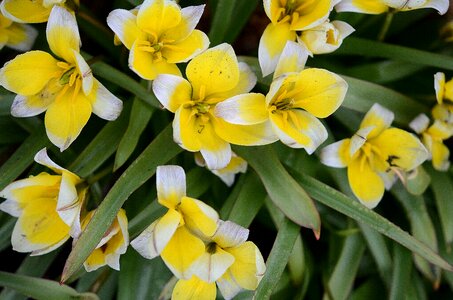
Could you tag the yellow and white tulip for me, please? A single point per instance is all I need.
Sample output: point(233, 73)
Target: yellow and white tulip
point(36, 11)
point(236, 165)
point(16, 36)
point(383, 6)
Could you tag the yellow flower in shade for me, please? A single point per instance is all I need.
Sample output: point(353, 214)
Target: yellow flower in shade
point(16, 36)
point(159, 35)
point(230, 260)
point(375, 155)
point(213, 76)
point(236, 165)
point(443, 110)
point(35, 11)
point(66, 89)
point(48, 207)
point(325, 38)
point(382, 6)
point(174, 236)
point(287, 17)
point(433, 137)
point(112, 245)
point(295, 100)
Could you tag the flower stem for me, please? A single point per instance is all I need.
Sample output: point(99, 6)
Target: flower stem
point(386, 26)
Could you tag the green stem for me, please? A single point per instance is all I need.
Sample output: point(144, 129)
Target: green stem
point(386, 26)
point(96, 177)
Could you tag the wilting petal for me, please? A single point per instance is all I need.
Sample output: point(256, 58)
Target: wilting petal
point(194, 289)
point(156, 236)
point(212, 265)
point(366, 184)
point(198, 216)
point(29, 106)
point(41, 65)
point(271, 45)
point(189, 19)
point(66, 117)
point(158, 15)
point(246, 135)
point(230, 234)
point(440, 156)
point(321, 92)
point(247, 80)
point(245, 109)
point(104, 104)
point(362, 6)
point(299, 129)
point(293, 59)
point(21, 37)
point(215, 70)
point(25, 11)
point(172, 91)
point(182, 251)
point(379, 117)
point(337, 154)
point(62, 33)
point(124, 25)
point(171, 185)
point(186, 49)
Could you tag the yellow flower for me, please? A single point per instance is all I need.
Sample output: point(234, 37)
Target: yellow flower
point(229, 260)
point(443, 110)
point(382, 6)
point(236, 165)
point(159, 34)
point(213, 76)
point(174, 236)
point(326, 37)
point(375, 155)
point(16, 36)
point(433, 137)
point(36, 11)
point(295, 100)
point(48, 207)
point(287, 17)
point(66, 89)
point(112, 245)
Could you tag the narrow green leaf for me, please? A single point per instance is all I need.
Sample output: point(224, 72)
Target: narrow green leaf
point(369, 48)
point(5, 104)
point(137, 174)
point(345, 271)
point(240, 18)
point(139, 118)
point(10, 132)
point(367, 290)
point(278, 258)
point(284, 191)
point(38, 288)
point(222, 21)
point(353, 209)
point(229, 202)
point(402, 270)
point(6, 229)
point(418, 181)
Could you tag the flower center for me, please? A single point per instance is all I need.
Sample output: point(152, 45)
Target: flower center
point(154, 45)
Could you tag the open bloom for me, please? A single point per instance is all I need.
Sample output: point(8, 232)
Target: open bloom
point(287, 17)
point(48, 207)
point(382, 6)
point(174, 236)
point(38, 11)
point(443, 110)
point(16, 36)
point(159, 35)
point(433, 137)
point(112, 245)
point(236, 165)
point(213, 76)
point(325, 38)
point(375, 155)
point(230, 260)
point(295, 100)
point(66, 89)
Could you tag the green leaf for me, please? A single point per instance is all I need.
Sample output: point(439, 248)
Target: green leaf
point(5, 104)
point(278, 258)
point(38, 288)
point(417, 181)
point(402, 269)
point(353, 209)
point(222, 20)
point(6, 229)
point(137, 174)
point(283, 190)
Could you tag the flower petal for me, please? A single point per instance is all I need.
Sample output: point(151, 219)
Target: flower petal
point(24, 11)
point(172, 91)
point(171, 185)
point(198, 216)
point(157, 16)
point(40, 64)
point(69, 204)
point(246, 135)
point(440, 156)
point(312, 15)
point(211, 266)
point(362, 6)
point(190, 16)
point(247, 80)
point(84, 70)
point(227, 174)
point(230, 234)
point(194, 288)
point(420, 123)
point(184, 126)
point(43, 158)
point(271, 45)
point(29, 106)
point(245, 109)
point(440, 5)
point(336, 155)
point(156, 236)
point(379, 117)
point(62, 33)
point(293, 59)
point(104, 104)
point(21, 37)
point(439, 86)
point(124, 24)
point(359, 139)
point(186, 49)
point(228, 286)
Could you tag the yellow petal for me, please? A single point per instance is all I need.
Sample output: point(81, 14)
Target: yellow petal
point(365, 183)
point(321, 91)
point(212, 264)
point(362, 6)
point(216, 70)
point(230, 234)
point(66, 117)
point(271, 7)
point(246, 135)
point(29, 106)
point(440, 156)
point(104, 104)
point(124, 25)
point(245, 109)
point(157, 16)
point(25, 11)
point(227, 174)
point(293, 59)
point(186, 49)
point(311, 14)
point(182, 251)
point(448, 90)
point(21, 37)
point(337, 154)
point(171, 185)
point(68, 203)
point(271, 45)
point(440, 130)
point(439, 86)
point(443, 112)
point(194, 289)
point(189, 19)
point(379, 118)
point(63, 34)
point(172, 91)
point(246, 82)
point(41, 65)
point(95, 260)
point(198, 216)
